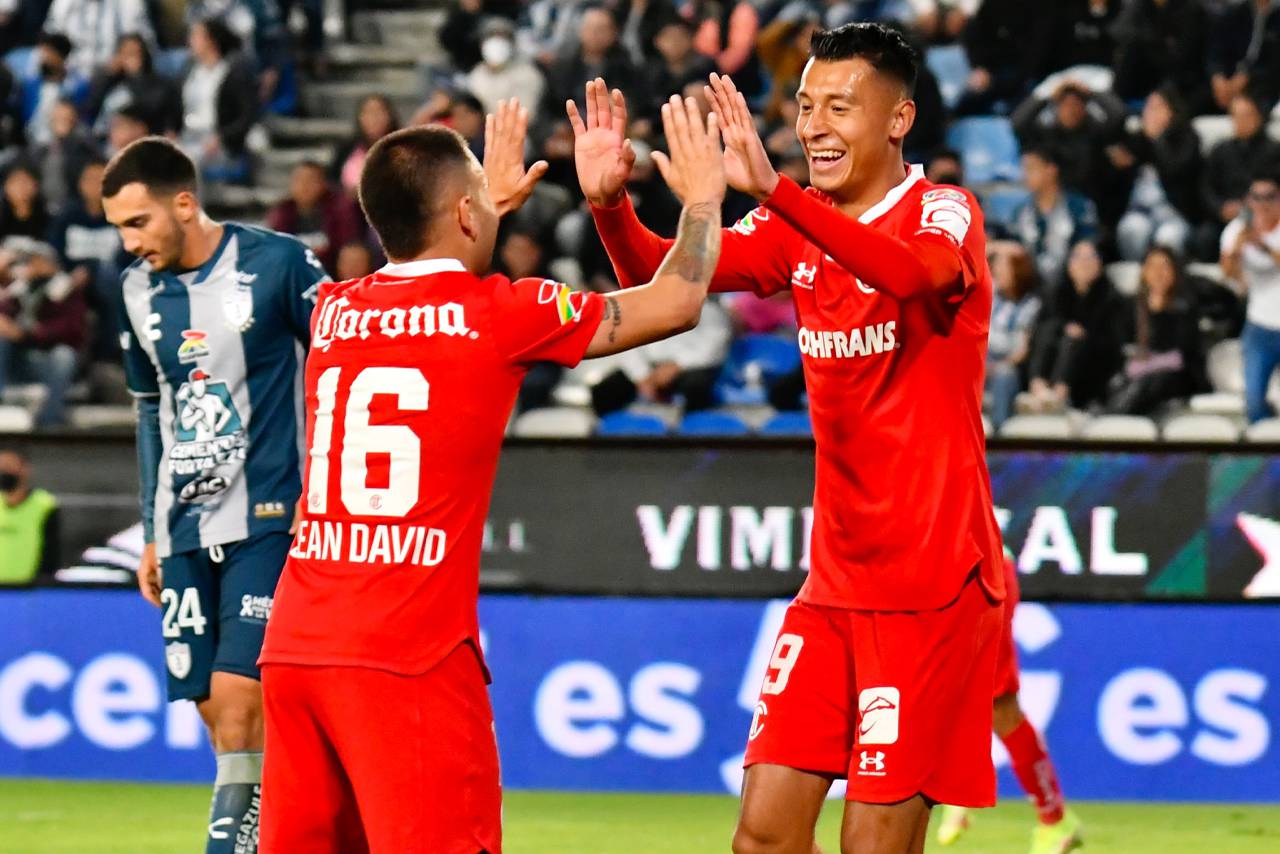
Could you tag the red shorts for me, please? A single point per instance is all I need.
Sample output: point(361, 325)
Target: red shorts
point(364, 760)
point(1007, 656)
point(898, 702)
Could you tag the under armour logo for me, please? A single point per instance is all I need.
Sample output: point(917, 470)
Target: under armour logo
point(214, 828)
point(804, 275)
point(871, 760)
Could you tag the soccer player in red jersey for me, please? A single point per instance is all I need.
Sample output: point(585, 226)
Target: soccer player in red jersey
point(1059, 829)
point(379, 733)
point(883, 668)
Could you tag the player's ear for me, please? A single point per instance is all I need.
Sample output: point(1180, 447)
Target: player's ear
point(466, 215)
point(185, 206)
point(904, 116)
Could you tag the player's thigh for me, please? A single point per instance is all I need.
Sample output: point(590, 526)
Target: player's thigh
point(307, 801)
point(804, 716)
point(780, 808)
point(189, 623)
point(898, 828)
point(924, 681)
point(438, 726)
point(247, 577)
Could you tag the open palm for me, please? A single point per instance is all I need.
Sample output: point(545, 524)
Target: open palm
point(602, 153)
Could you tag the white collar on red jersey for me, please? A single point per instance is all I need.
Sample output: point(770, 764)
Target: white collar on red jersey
point(424, 267)
point(914, 173)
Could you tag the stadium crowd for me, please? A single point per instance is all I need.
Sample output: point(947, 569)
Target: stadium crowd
point(1125, 152)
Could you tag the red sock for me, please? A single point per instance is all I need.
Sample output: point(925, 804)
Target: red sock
point(1034, 769)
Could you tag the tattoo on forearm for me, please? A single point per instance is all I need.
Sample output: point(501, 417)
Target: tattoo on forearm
point(697, 245)
point(613, 314)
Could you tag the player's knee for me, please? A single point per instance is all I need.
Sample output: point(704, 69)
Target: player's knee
point(752, 837)
point(237, 727)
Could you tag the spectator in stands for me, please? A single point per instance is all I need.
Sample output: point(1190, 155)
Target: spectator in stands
point(355, 261)
point(22, 209)
point(63, 157)
point(640, 27)
point(520, 255)
point(726, 34)
point(1251, 258)
point(1015, 308)
point(95, 27)
point(1161, 43)
point(1053, 219)
point(130, 79)
point(783, 48)
point(549, 29)
point(503, 73)
point(1244, 52)
point(29, 524)
point(941, 20)
point(1081, 33)
point(1076, 346)
point(685, 366)
point(677, 64)
point(1230, 167)
point(42, 325)
point(1007, 42)
point(316, 213)
point(52, 81)
point(945, 167)
point(1164, 361)
point(597, 54)
point(1078, 124)
point(219, 96)
point(311, 47)
point(127, 125)
point(89, 250)
point(462, 34)
point(1161, 162)
point(375, 118)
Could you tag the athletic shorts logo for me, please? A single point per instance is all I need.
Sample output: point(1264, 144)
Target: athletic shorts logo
point(757, 720)
point(878, 716)
point(871, 764)
point(177, 656)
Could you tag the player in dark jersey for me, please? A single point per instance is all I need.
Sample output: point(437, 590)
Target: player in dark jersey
point(214, 325)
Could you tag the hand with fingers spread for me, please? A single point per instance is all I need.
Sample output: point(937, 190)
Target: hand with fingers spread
point(504, 137)
point(601, 151)
point(746, 163)
point(694, 168)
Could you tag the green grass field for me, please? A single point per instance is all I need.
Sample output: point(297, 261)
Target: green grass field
point(43, 817)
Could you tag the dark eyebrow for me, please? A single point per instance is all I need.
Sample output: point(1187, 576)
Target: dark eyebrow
point(135, 221)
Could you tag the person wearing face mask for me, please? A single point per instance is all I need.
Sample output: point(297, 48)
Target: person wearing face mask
point(48, 81)
point(29, 524)
point(503, 73)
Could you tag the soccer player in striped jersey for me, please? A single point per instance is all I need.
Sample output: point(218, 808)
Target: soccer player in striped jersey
point(215, 321)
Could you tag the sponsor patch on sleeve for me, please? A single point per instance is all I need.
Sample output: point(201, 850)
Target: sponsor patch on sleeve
point(748, 224)
point(568, 302)
point(945, 211)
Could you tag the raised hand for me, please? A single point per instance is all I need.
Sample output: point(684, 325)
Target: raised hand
point(746, 163)
point(694, 170)
point(504, 136)
point(602, 153)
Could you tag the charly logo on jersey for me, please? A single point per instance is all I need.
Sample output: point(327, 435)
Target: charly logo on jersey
point(837, 344)
point(208, 434)
point(237, 303)
point(339, 323)
point(194, 346)
point(747, 225)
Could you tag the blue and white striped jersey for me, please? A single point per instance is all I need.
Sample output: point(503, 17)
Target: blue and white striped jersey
point(222, 349)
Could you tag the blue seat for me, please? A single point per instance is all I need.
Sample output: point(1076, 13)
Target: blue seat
point(988, 148)
point(21, 61)
point(1001, 205)
point(625, 423)
point(712, 423)
point(171, 63)
point(754, 360)
point(950, 65)
point(788, 424)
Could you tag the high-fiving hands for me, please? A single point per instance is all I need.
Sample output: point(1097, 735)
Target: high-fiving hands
point(504, 134)
point(746, 163)
point(694, 170)
point(602, 153)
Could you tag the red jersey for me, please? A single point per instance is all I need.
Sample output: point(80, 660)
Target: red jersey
point(902, 500)
point(410, 381)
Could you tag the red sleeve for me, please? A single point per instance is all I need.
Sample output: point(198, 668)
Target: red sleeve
point(935, 258)
point(542, 320)
point(753, 253)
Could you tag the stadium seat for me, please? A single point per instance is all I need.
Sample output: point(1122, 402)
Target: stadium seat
point(788, 424)
point(1126, 276)
point(1225, 365)
point(94, 417)
point(1204, 270)
point(752, 360)
point(555, 422)
point(15, 419)
point(1120, 428)
point(627, 423)
point(950, 64)
point(1193, 427)
point(1211, 130)
point(21, 61)
point(1229, 403)
point(1037, 427)
point(1266, 430)
point(988, 148)
point(988, 426)
point(1001, 204)
point(712, 423)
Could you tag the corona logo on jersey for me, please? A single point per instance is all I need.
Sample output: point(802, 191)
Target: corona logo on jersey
point(208, 433)
point(339, 323)
point(837, 344)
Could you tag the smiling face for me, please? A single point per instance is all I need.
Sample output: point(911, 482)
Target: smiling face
point(852, 122)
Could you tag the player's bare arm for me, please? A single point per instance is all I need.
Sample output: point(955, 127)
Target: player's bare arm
point(672, 301)
point(505, 130)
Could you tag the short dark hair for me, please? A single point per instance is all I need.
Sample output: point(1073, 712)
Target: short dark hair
point(134, 113)
point(223, 37)
point(154, 162)
point(1268, 173)
point(1047, 153)
point(886, 49)
point(59, 42)
point(401, 184)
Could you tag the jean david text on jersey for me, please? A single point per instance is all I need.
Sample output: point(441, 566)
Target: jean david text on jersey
point(338, 322)
point(837, 344)
point(356, 542)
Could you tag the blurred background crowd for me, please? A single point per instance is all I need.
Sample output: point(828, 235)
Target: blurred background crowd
point(1126, 152)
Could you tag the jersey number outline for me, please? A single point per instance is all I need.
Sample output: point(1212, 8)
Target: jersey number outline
point(361, 438)
point(181, 611)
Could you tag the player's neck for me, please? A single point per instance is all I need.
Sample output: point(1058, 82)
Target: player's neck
point(442, 249)
point(867, 194)
point(202, 241)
